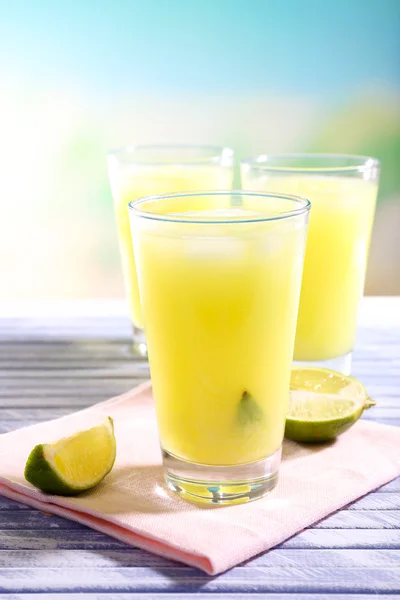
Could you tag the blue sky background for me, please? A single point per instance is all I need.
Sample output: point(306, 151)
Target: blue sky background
point(236, 46)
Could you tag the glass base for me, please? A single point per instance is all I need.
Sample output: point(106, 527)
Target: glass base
point(139, 346)
point(341, 363)
point(215, 485)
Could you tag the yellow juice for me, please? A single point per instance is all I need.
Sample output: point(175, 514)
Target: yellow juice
point(336, 258)
point(130, 182)
point(220, 306)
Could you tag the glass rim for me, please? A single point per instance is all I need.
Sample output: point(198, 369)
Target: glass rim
point(214, 154)
point(133, 205)
point(361, 163)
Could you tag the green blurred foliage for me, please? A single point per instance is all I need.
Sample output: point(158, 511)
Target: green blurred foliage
point(371, 127)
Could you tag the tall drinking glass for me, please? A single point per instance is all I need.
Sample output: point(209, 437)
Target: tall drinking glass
point(219, 278)
point(145, 170)
point(342, 190)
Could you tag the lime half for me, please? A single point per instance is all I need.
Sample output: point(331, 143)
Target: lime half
point(73, 464)
point(323, 404)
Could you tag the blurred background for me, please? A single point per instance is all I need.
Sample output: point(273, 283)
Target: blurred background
point(79, 77)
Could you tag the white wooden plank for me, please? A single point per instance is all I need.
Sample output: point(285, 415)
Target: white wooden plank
point(133, 557)
point(260, 580)
point(392, 486)
point(67, 334)
point(382, 501)
point(64, 381)
point(382, 412)
point(380, 539)
point(73, 399)
point(31, 348)
point(361, 519)
point(81, 538)
point(34, 520)
point(34, 413)
point(51, 364)
point(195, 596)
point(56, 355)
point(119, 370)
point(352, 538)
point(386, 389)
point(66, 388)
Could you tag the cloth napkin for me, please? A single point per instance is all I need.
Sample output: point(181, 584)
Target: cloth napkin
point(133, 505)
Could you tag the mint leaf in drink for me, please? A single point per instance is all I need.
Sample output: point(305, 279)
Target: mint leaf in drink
point(249, 411)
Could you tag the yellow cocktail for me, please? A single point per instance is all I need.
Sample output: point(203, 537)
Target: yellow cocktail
point(146, 170)
point(219, 276)
point(343, 194)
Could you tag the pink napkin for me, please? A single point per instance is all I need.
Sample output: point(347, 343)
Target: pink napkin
point(132, 504)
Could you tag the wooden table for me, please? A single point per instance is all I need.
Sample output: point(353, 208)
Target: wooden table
point(57, 358)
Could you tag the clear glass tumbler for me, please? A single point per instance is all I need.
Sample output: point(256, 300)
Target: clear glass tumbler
point(219, 279)
point(343, 191)
point(145, 170)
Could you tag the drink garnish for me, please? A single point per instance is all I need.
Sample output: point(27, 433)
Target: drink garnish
point(249, 412)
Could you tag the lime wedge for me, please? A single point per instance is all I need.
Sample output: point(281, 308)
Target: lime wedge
point(73, 464)
point(249, 412)
point(323, 404)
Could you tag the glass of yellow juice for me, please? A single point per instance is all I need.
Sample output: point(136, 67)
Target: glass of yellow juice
point(137, 171)
point(219, 279)
point(343, 191)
